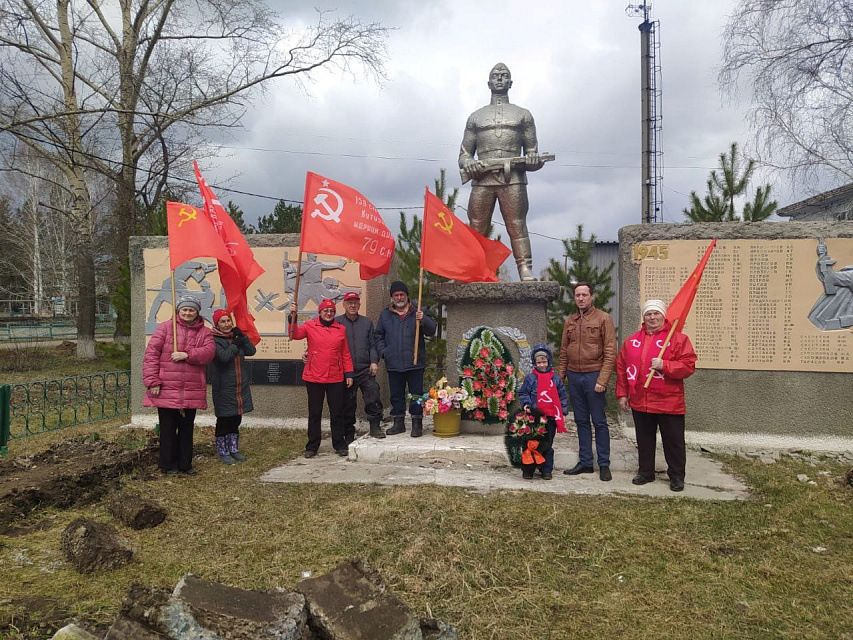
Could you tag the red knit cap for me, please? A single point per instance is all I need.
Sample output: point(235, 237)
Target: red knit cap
point(326, 304)
point(218, 315)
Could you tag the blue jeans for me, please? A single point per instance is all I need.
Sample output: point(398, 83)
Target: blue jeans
point(397, 383)
point(586, 404)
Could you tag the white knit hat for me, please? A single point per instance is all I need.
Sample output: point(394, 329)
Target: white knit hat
point(654, 305)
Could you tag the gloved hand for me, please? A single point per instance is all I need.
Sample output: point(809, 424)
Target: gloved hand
point(236, 333)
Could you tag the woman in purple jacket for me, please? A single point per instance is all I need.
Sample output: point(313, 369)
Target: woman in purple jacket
point(176, 382)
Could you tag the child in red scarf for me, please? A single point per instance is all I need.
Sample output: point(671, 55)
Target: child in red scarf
point(543, 391)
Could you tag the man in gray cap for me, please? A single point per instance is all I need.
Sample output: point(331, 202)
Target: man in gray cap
point(395, 341)
point(365, 360)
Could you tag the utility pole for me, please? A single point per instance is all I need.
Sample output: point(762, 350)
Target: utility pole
point(650, 112)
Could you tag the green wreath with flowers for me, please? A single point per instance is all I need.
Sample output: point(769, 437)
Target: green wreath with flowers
point(489, 376)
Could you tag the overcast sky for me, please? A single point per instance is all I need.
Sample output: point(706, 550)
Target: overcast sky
point(575, 66)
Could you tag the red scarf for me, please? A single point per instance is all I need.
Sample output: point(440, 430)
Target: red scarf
point(548, 400)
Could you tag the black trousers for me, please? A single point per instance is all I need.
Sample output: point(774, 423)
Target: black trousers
point(226, 425)
point(671, 433)
point(335, 394)
point(176, 439)
point(372, 402)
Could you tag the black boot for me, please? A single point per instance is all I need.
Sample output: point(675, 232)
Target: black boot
point(417, 426)
point(375, 429)
point(399, 426)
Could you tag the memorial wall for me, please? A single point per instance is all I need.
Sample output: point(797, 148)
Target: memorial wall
point(752, 310)
point(772, 324)
point(276, 368)
point(269, 297)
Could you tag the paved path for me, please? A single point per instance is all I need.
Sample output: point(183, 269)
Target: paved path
point(479, 463)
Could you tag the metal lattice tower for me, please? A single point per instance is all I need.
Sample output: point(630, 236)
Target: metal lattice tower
point(652, 113)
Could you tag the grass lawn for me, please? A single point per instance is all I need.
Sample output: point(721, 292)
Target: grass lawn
point(27, 362)
point(511, 565)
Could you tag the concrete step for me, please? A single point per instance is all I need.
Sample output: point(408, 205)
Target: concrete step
point(475, 450)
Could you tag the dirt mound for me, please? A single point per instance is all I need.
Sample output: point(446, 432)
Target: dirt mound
point(69, 473)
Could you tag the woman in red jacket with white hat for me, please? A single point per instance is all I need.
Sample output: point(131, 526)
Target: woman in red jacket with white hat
point(327, 374)
point(662, 403)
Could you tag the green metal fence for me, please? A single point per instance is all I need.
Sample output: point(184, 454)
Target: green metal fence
point(31, 408)
point(17, 332)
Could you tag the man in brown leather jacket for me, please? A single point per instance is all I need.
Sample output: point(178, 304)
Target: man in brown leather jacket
point(588, 354)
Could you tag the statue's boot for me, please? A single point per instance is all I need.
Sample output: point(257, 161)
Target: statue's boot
point(523, 258)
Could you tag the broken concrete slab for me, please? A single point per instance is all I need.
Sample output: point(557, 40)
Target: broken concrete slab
point(198, 609)
point(351, 602)
point(94, 546)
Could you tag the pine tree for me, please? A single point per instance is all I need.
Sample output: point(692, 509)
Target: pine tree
point(731, 182)
point(236, 214)
point(578, 250)
point(285, 218)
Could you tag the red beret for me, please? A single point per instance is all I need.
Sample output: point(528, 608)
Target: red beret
point(326, 304)
point(218, 315)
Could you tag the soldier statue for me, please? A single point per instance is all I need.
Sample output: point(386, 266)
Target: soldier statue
point(503, 137)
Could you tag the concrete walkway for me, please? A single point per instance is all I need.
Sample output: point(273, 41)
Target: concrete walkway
point(479, 463)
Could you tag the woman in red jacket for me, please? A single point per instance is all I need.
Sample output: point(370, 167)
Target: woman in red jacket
point(327, 374)
point(176, 383)
point(662, 403)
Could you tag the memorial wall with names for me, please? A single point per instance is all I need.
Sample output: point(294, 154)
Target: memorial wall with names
point(771, 305)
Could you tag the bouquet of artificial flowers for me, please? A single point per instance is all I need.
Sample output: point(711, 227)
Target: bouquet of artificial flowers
point(443, 398)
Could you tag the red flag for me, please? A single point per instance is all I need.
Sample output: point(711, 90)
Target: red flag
point(452, 249)
point(243, 270)
point(191, 234)
point(338, 220)
point(683, 300)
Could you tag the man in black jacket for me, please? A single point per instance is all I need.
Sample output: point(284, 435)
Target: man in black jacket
point(365, 360)
point(395, 341)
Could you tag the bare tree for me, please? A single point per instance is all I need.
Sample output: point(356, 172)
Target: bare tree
point(144, 79)
point(795, 55)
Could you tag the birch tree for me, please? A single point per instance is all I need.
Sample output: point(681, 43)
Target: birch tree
point(127, 88)
point(794, 55)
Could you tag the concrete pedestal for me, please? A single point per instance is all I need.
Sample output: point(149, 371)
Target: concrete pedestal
point(515, 310)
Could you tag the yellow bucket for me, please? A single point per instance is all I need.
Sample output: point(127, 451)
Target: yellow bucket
point(446, 425)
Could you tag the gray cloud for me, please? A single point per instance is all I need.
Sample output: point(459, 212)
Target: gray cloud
point(575, 66)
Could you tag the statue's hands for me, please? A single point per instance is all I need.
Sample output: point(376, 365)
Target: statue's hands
point(474, 168)
point(533, 162)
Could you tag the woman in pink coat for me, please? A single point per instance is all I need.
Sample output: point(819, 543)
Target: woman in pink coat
point(176, 383)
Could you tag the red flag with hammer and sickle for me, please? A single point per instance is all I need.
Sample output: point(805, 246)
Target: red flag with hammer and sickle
point(452, 249)
point(243, 270)
point(339, 221)
point(191, 235)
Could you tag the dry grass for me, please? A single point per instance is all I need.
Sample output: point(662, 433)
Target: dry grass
point(502, 565)
point(24, 361)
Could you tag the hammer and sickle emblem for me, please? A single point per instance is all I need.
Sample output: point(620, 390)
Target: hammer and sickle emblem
point(446, 223)
point(186, 216)
point(329, 213)
point(631, 370)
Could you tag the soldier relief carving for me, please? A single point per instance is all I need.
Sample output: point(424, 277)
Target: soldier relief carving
point(499, 147)
point(834, 309)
